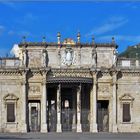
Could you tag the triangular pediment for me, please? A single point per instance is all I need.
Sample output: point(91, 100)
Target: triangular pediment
point(10, 97)
point(127, 97)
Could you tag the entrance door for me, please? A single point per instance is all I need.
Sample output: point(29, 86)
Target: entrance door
point(34, 116)
point(67, 116)
point(102, 115)
point(68, 113)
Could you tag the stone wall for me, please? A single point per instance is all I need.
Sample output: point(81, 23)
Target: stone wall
point(10, 88)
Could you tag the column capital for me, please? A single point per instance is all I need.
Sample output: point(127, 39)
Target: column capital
point(79, 88)
point(59, 87)
point(44, 82)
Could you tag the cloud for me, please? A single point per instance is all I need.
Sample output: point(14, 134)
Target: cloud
point(132, 5)
point(1, 29)
point(27, 18)
point(128, 38)
point(9, 4)
point(11, 32)
point(111, 24)
point(15, 50)
point(19, 33)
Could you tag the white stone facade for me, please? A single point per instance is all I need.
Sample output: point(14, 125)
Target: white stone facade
point(69, 77)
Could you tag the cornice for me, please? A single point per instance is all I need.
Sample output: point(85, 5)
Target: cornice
point(55, 44)
point(10, 72)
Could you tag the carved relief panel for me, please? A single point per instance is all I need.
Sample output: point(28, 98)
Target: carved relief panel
point(104, 89)
point(34, 89)
point(35, 58)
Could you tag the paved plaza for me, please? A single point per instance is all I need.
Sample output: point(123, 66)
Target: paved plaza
point(70, 136)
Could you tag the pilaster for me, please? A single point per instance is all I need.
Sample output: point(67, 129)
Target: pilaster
point(114, 101)
point(24, 102)
point(93, 105)
point(44, 58)
point(24, 57)
point(44, 105)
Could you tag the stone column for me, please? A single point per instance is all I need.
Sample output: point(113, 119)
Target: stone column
point(114, 101)
point(93, 105)
point(79, 126)
point(59, 126)
point(44, 106)
point(24, 103)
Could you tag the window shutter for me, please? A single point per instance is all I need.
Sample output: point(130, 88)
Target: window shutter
point(126, 113)
point(10, 112)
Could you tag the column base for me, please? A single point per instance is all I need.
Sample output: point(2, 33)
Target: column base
point(93, 128)
point(24, 128)
point(73, 127)
point(79, 128)
point(44, 128)
point(115, 129)
point(59, 128)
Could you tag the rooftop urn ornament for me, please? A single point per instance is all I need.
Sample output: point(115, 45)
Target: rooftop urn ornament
point(78, 37)
point(43, 39)
point(113, 40)
point(24, 39)
point(93, 40)
point(58, 37)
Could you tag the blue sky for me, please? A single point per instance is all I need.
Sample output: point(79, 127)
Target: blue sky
point(38, 19)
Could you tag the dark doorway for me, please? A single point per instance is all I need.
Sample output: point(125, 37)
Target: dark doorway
point(85, 107)
point(68, 105)
point(34, 116)
point(52, 112)
point(102, 115)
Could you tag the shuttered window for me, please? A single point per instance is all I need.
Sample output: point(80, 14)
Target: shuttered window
point(126, 113)
point(10, 112)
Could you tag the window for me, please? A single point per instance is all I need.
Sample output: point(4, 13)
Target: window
point(126, 104)
point(126, 113)
point(10, 106)
point(10, 112)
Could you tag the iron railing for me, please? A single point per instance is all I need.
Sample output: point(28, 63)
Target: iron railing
point(68, 120)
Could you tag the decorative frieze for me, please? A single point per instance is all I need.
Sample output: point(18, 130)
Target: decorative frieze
point(71, 73)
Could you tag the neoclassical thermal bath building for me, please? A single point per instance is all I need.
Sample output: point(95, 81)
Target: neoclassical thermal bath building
point(69, 86)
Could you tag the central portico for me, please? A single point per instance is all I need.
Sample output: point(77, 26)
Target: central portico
point(70, 99)
point(65, 104)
